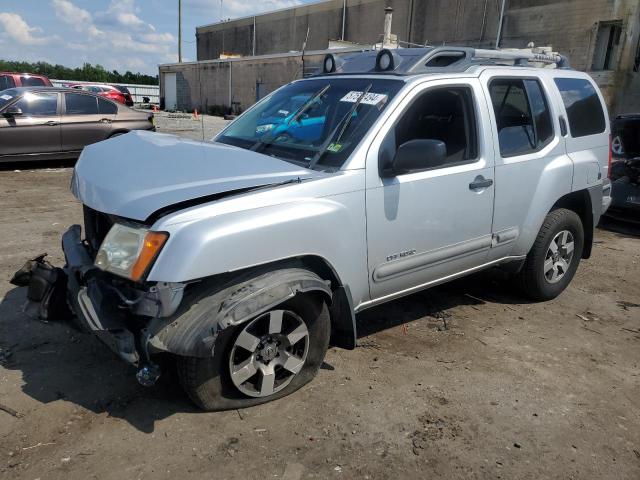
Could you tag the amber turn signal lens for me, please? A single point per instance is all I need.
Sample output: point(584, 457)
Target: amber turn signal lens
point(153, 242)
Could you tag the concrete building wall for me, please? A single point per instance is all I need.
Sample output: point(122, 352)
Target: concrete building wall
point(570, 26)
point(473, 22)
point(218, 85)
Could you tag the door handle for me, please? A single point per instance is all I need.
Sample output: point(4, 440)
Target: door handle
point(105, 120)
point(51, 123)
point(480, 182)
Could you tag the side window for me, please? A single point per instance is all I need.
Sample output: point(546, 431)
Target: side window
point(6, 82)
point(32, 82)
point(38, 104)
point(445, 114)
point(78, 104)
point(583, 106)
point(105, 107)
point(522, 115)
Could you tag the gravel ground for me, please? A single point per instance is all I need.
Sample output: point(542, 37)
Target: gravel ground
point(462, 381)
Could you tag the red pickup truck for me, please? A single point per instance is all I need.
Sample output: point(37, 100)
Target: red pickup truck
point(12, 79)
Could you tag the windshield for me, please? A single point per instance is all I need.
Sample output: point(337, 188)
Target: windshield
point(313, 123)
point(6, 96)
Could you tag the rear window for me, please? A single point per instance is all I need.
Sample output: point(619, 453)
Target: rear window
point(105, 107)
point(6, 82)
point(583, 106)
point(78, 104)
point(32, 82)
point(122, 89)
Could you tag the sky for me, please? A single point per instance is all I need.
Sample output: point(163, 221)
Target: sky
point(134, 35)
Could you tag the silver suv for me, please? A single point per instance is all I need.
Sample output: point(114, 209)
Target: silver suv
point(389, 172)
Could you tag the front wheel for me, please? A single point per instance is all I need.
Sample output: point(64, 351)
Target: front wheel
point(553, 260)
point(266, 358)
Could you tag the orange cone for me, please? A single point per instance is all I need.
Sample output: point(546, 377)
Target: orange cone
point(155, 109)
point(195, 113)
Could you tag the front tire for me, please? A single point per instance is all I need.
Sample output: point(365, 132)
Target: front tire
point(266, 358)
point(553, 260)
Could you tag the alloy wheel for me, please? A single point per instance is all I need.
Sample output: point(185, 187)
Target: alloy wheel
point(268, 353)
point(559, 256)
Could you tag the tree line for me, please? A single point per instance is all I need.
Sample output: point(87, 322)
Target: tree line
point(88, 72)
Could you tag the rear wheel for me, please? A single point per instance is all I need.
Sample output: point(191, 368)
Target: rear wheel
point(553, 260)
point(266, 358)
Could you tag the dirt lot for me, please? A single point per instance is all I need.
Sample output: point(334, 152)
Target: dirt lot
point(462, 381)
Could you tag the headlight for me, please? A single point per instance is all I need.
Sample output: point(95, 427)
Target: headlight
point(129, 252)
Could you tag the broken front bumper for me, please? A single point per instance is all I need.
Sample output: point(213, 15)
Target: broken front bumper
point(115, 314)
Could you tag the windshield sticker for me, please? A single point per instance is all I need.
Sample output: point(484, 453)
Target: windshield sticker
point(369, 98)
point(334, 147)
point(264, 128)
point(6, 97)
point(284, 113)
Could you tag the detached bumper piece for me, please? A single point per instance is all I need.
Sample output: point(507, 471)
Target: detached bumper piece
point(101, 304)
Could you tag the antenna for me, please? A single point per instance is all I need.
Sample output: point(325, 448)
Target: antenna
point(304, 48)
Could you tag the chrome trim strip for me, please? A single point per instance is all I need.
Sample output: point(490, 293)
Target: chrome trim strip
point(433, 257)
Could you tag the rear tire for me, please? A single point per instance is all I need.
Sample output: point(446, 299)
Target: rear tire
point(554, 258)
point(208, 381)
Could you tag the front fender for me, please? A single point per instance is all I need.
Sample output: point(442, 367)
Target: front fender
point(247, 232)
point(215, 305)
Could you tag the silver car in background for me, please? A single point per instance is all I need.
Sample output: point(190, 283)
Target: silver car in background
point(48, 123)
point(248, 256)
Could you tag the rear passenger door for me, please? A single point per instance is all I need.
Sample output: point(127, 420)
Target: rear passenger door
point(587, 132)
point(425, 226)
point(86, 119)
point(532, 169)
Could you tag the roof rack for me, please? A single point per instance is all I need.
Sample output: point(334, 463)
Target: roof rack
point(408, 61)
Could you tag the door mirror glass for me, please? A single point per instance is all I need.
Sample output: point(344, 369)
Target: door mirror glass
point(416, 155)
point(13, 111)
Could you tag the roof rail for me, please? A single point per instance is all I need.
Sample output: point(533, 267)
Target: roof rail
point(443, 59)
point(450, 58)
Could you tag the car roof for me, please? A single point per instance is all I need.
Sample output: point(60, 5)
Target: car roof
point(45, 88)
point(24, 73)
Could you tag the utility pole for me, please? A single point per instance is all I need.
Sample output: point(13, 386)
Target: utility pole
point(179, 31)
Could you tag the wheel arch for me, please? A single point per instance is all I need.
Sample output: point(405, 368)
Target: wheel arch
point(580, 202)
point(238, 296)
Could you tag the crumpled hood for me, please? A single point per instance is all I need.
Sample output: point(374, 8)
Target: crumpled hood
point(136, 174)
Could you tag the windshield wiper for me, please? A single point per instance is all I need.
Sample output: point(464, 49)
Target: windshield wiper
point(260, 144)
point(346, 120)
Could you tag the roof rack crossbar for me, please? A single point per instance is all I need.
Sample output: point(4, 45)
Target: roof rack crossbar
point(469, 56)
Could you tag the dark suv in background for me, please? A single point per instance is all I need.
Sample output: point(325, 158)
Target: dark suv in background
point(55, 123)
point(625, 167)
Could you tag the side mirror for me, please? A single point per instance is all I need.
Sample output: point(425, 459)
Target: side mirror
point(417, 155)
point(12, 111)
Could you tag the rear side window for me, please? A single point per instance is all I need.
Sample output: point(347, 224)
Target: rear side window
point(105, 107)
point(583, 106)
point(78, 104)
point(38, 104)
point(32, 82)
point(6, 82)
point(522, 115)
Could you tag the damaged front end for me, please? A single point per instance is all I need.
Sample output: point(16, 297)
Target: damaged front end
point(114, 309)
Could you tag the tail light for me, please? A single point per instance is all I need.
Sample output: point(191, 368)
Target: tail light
point(610, 156)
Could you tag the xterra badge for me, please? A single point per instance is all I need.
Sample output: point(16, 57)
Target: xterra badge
point(396, 256)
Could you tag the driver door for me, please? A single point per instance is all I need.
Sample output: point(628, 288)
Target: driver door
point(428, 225)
